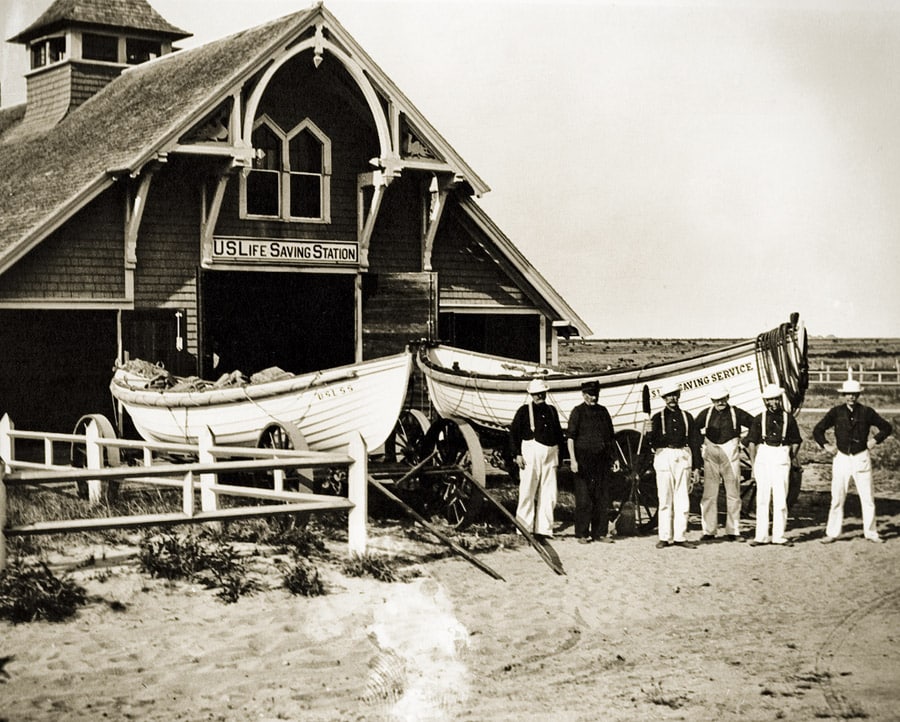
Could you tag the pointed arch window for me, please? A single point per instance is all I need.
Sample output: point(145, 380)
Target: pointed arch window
point(291, 174)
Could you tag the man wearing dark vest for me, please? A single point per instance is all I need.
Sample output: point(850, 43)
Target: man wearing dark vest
point(675, 440)
point(852, 422)
point(591, 438)
point(720, 426)
point(774, 439)
point(536, 439)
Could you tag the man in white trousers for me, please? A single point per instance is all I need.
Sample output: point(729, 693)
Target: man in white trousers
point(774, 440)
point(852, 422)
point(720, 426)
point(536, 438)
point(675, 440)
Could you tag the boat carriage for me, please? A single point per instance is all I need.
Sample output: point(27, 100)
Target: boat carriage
point(274, 409)
point(477, 396)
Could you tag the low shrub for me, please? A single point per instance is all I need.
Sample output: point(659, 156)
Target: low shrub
point(302, 577)
point(379, 567)
point(29, 592)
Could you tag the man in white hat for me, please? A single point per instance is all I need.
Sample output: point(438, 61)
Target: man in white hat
point(536, 439)
point(675, 440)
point(852, 422)
point(720, 425)
point(774, 440)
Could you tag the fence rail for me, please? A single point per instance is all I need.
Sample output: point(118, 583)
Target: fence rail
point(192, 477)
point(867, 377)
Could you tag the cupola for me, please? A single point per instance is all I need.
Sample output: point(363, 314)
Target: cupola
point(78, 46)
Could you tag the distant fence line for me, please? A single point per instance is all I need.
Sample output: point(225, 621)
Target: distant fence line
point(826, 374)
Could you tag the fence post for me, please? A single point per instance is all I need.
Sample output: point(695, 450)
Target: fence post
point(209, 500)
point(187, 494)
point(6, 442)
point(357, 493)
point(94, 459)
point(2, 513)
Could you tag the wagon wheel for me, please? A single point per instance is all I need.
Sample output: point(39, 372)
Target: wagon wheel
point(634, 484)
point(287, 437)
point(109, 455)
point(456, 446)
point(404, 445)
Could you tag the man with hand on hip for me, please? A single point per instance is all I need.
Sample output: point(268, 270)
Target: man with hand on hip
point(536, 438)
point(851, 422)
point(774, 439)
point(720, 426)
point(675, 440)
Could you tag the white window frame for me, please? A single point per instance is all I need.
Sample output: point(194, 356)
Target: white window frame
point(285, 173)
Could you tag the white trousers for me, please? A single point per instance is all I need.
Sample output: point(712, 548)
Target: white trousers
point(537, 487)
point(859, 468)
point(772, 470)
point(721, 463)
point(673, 469)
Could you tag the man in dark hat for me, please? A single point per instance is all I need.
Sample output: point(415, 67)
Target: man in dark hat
point(590, 439)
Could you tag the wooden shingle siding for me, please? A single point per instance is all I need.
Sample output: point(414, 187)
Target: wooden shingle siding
point(468, 275)
point(168, 249)
point(82, 260)
point(88, 80)
point(397, 309)
point(396, 245)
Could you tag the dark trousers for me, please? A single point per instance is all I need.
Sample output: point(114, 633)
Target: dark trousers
point(591, 494)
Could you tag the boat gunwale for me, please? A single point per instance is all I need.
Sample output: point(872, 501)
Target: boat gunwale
point(228, 395)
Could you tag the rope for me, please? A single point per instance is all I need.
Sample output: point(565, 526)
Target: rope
point(780, 360)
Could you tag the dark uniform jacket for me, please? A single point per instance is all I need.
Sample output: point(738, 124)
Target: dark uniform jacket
point(851, 430)
point(719, 426)
point(547, 429)
point(679, 431)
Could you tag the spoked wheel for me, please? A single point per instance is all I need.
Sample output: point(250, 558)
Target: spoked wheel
point(404, 445)
point(287, 437)
point(634, 484)
point(456, 447)
point(109, 456)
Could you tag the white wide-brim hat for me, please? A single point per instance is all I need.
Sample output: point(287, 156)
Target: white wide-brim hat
point(538, 386)
point(851, 386)
point(669, 388)
point(717, 391)
point(772, 391)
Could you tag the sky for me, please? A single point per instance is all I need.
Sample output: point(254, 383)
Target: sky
point(674, 168)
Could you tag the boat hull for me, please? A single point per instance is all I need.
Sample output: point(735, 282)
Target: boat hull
point(325, 406)
point(487, 390)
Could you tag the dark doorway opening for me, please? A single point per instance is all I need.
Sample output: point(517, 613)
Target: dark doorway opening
point(296, 321)
point(55, 366)
point(514, 335)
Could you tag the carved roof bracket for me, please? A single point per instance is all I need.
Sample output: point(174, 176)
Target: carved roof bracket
point(436, 200)
point(136, 201)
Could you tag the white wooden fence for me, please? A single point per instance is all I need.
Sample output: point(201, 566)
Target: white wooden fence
point(192, 477)
point(867, 377)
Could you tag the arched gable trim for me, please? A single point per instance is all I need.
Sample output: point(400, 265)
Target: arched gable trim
point(355, 70)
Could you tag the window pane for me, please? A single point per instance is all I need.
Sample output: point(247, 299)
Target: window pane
point(262, 193)
point(305, 153)
point(140, 51)
point(306, 196)
point(268, 145)
point(39, 55)
point(57, 48)
point(100, 47)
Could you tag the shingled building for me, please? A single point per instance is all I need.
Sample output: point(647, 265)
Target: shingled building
point(271, 198)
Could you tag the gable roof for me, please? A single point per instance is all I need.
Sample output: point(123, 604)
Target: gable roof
point(47, 178)
point(131, 14)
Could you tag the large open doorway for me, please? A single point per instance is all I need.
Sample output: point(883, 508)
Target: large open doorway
point(512, 335)
point(296, 321)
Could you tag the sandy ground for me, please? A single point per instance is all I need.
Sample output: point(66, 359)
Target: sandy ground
point(725, 632)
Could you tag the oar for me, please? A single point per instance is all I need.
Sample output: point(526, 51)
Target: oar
point(440, 535)
point(552, 560)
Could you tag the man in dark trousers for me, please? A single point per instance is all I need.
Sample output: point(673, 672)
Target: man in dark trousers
point(851, 422)
point(675, 440)
point(720, 426)
point(774, 440)
point(536, 438)
point(590, 439)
